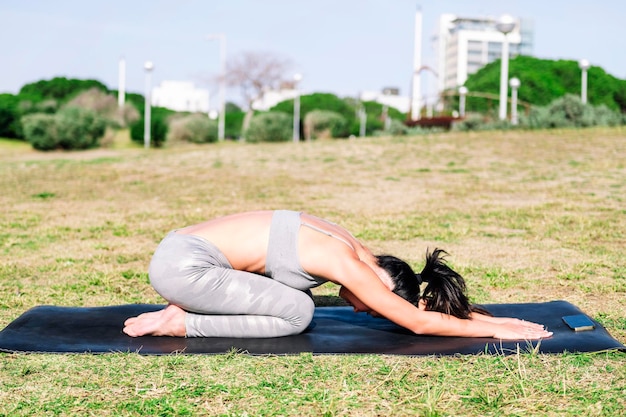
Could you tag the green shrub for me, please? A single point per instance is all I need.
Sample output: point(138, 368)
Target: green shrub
point(9, 116)
point(47, 106)
point(270, 127)
point(40, 130)
point(233, 123)
point(59, 88)
point(347, 108)
point(544, 81)
point(396, 128)
point(471, 122)
point(325, 124)
point(320, 101)
point(106, 106)
point(194, 128)
point(71, 128)
point(603, 116)
point(569, 111)
point(158, 127)
point(79, 128)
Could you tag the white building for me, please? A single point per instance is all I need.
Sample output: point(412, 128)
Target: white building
point(464, 45)
point(181, 96)
point(388, 97)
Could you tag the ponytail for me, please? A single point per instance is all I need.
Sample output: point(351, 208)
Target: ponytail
point(445, 289)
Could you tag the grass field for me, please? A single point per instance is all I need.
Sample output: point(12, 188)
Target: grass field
point(526, 217)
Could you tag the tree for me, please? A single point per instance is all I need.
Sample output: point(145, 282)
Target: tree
point(543, 81)
point(106, 106)
point(254, 73)
point(158, 127)
point(59, 88)
point(346, 107)
point(9, 116)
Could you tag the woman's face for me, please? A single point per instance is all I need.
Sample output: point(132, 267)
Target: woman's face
point(358, 305)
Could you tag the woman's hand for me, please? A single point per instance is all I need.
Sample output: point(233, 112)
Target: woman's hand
point(509, 328)
point(516, 329)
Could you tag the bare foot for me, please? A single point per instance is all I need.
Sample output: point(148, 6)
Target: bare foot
point(167, 322)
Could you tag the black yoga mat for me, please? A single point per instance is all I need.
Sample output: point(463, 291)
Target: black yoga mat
point(334, 330)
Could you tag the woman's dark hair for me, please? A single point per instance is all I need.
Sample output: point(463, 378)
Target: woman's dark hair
point(445, 289)
point(406, 283)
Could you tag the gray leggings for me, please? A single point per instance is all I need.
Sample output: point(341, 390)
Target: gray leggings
point(192, 273)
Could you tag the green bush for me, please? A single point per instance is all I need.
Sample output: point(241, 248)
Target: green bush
point(233, 123)
point(194, 128)
point(40, 130)
point(543, 81)
point(9, 117)
point(320, 101)
point(347, 108)
point(158, 127)
point(569, 111)
point(71, 128)
point(606, 117)
point(396, 128)
point(28, 106)
point(477, 122)
point(317, 101)
point(79, 128)
point(270, 127)
point(59, 88)
point(106, 106)
point(324, 124)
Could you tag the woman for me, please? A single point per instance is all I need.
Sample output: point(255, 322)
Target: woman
point(249, 275)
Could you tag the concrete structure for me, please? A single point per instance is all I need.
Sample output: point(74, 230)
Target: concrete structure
point(181, 96)
point(464, 45)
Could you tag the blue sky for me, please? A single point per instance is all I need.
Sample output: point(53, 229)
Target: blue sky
point(340, 46)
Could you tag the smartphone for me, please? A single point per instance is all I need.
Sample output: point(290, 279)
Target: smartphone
point(579, 322)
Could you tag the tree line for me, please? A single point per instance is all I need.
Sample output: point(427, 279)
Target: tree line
point(64, 113)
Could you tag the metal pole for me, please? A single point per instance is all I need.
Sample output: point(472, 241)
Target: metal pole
point(462, 93)
point(583, 94)
point(505, 25)
point(296, 118)
point(221, 124)
point(363, 120)
point(121, 89)
point(416, 93)
point(504, 76)
point(514, 106)
point(147, 107)
point(296, 108)
point(584, 66)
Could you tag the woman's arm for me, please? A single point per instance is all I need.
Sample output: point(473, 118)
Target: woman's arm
point(361, 280)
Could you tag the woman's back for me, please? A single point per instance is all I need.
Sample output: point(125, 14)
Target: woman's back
point(242, 238)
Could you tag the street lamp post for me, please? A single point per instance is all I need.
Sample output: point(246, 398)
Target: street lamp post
point(148, 66)
point(462, 94)
point(515, 83)
point(221, 124)
point(505, 24)
point(584, 66)
point(296, 108)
